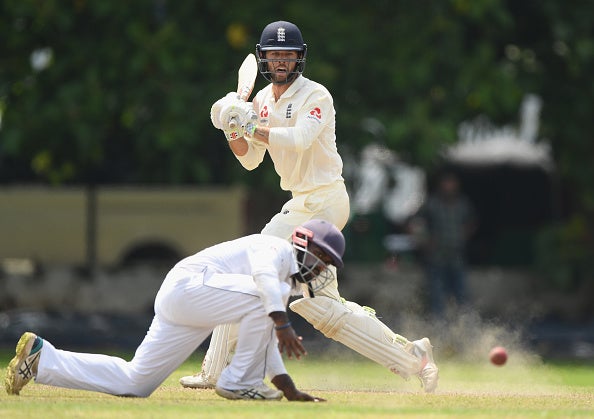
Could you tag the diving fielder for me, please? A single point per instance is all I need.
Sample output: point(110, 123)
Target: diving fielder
point(246, 281)
point(293, 119)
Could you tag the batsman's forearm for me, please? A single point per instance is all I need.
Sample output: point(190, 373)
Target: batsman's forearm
point(262, 134)
point(239, 147)
point(254, 155)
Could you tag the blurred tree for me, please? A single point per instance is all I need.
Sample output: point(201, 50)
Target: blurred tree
point(124, 95)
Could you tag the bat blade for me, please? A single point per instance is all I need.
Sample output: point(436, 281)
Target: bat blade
point(246, 77)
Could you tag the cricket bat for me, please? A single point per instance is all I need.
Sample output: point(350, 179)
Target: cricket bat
point(246, 78)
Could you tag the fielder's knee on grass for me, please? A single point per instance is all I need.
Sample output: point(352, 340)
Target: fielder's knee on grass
point(134, 388)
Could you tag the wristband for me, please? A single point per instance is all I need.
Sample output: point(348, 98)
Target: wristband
point(250, 129)
point(284, 326)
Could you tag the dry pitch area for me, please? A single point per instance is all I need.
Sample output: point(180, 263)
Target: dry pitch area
point(353, 387)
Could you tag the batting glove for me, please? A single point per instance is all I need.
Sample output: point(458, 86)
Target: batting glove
point(233, 134)
point(237, 114)
point(217, 107)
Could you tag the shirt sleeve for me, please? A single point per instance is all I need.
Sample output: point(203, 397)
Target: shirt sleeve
point(265, 263)
point(315, 114)
point(254, 155)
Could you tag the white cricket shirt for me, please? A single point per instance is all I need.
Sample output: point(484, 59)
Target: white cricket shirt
point(269, 260)
point(302, 136)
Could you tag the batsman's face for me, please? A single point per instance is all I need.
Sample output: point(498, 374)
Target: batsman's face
point(281, 64)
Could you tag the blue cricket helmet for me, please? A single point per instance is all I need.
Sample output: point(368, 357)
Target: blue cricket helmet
point(281, 36)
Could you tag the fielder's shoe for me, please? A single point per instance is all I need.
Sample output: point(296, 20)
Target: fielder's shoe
point(198, 380)
point(429, 374)
point(23, 366)
point(255, 393)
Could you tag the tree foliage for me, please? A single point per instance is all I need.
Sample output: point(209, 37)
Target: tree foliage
point(121, 91)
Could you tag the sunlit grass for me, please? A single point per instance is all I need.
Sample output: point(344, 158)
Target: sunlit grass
point(353, 387)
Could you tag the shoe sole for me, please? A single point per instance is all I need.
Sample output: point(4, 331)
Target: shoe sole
point(201, 386)
point(23, 348)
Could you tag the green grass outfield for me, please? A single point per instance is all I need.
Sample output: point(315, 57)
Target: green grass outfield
point(355, 388)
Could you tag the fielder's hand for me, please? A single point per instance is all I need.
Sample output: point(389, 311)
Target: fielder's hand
point(289, 342)
point(285, 384)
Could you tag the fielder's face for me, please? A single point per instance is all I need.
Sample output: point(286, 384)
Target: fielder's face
point(281, 64)
point(316, 259)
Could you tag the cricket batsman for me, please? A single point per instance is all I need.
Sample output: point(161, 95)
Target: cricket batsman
point(293, 119)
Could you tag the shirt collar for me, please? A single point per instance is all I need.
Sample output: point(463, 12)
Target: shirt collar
point(294, 87)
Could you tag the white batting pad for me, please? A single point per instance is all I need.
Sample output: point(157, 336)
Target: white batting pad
point(359, 329)
point(220, 351)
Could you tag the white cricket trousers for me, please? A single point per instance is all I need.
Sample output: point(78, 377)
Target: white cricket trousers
point(329, 203)
point(186, 311)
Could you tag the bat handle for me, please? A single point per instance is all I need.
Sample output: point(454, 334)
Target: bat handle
point(244, 93)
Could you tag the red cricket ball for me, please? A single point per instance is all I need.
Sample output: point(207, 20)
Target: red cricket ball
point(498, 355)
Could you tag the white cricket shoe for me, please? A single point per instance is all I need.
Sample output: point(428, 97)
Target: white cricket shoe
point(198, 380)
point(429, 374)
point(24, 365)
point(254, 393)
